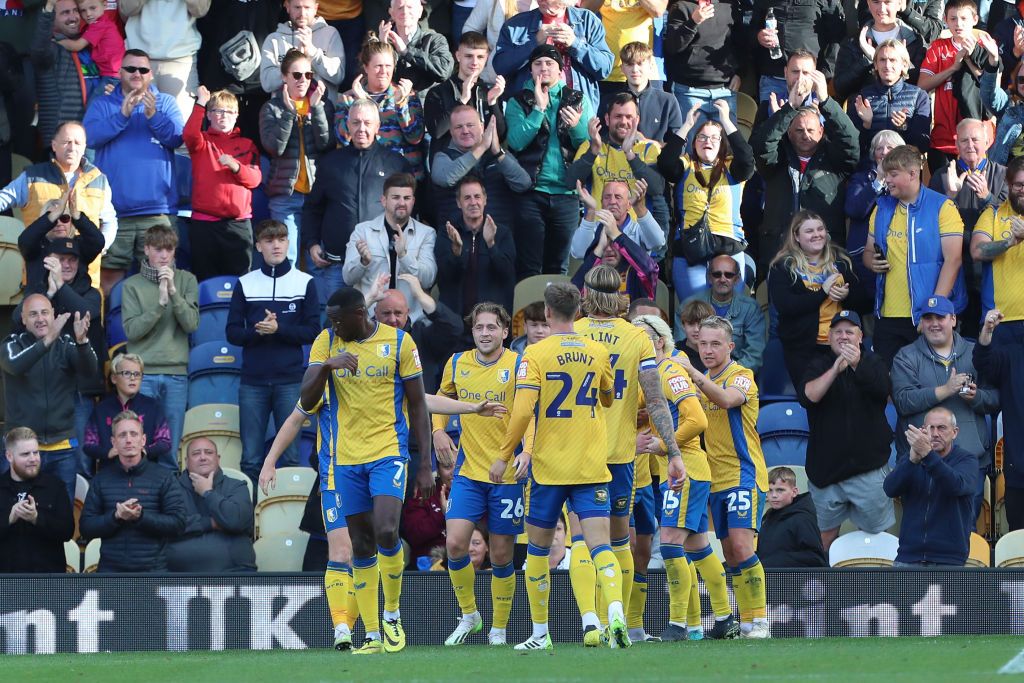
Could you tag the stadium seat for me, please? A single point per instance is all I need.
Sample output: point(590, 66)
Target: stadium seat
point(526, 292)
point(999, 523)
point(662, 297)
point(891, 415)
point(81, 491)
point(281, 552)
point(998, 454)
point(980, 553)
point(983, 525)
point(12, 265)
point(801, 476)
point(72, 557)
point(214, 372)
point(773, 380)
point(219, 423)
point(1010, 549)
point(241, 476)
point(280, 510)
point(784, 431)
point(92, 556)
point(746, 113)
point(214, 300)
point(113, 319)
point(858, 549)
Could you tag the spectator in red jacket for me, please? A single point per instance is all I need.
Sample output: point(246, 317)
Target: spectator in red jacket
point(423, 522)
point(225, 170)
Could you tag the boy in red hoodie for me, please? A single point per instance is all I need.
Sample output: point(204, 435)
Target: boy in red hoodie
point(225, 169)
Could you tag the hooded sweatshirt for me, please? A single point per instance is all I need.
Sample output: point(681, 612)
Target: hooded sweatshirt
point(790, 536)
point(216, 189)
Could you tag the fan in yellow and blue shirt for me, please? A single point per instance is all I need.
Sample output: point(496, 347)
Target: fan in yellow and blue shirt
point(1002, 284)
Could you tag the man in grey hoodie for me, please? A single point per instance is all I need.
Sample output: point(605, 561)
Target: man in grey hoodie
point(938, 370)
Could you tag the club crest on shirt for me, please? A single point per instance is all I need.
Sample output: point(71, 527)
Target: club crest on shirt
point(384, 350)
point(503, 376)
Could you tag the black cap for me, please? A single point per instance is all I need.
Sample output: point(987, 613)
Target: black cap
point(846, 316)
point(549, 51)
point(64, 245)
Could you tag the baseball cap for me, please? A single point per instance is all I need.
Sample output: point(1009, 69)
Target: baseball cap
point(938, 305)
point(549, 51)
point(64, 246)
point(846, 316)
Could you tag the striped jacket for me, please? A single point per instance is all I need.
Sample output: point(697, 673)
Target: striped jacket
point(401, 128)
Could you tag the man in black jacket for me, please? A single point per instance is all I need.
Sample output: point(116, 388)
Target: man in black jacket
point(347, 190)
point(42, 367)
point(218, 530)
point(35, 513)
point(805, 163)
point(135, 508)
point(789, 535)
point(845, 393)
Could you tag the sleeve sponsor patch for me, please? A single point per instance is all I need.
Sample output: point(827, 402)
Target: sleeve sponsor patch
point(678, 385)
point(523, 369)
point(742, 383)
point(416, 359)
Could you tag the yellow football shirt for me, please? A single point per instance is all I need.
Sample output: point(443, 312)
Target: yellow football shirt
point(896, 303)
point(625, 21)
point(566, 381)
point(369, 417)
point(1004, 278)
point(467, 378)
point(611, 164)
point(682, 397)
point(642, 471)
point(630, 351)
point(733, 446)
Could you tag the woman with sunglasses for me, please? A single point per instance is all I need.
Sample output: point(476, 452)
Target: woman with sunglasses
point(295, 130)
point(1007, 105)
point(709, 182)
point(809, 281)
point(401, 112)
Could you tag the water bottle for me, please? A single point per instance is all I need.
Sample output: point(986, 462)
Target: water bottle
point(772, 24)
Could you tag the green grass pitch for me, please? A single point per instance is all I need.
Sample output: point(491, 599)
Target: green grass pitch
point(888, 660)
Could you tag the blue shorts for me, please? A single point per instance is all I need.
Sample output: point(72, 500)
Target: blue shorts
point(330, 507)
point(358, 485)
point(620, 489)
point(736, 508)
point(501, 504)
point(688, 508)
point(644, 520)
point(544, 508)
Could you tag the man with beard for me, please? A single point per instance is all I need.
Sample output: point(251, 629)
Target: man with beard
point(35, 514)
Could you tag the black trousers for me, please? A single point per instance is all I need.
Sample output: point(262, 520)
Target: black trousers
point(220, 247)
point(544, 229)
point(891, 335)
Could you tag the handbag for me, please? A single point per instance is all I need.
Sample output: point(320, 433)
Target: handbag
point(697, 244)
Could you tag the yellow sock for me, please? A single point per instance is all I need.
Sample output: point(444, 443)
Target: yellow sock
point(739, 589)
point(582, 576)
point(752, 575)
point(503, 590)
point(678, 576)
point(693, 607)
point(637, 601)
point(624, 556)
point(463, 576)
point(713, 573)
point(392, 565)
point(336, 583)
point(609, 576)
point(366, 580)
point(538, 582)
point(351, 605)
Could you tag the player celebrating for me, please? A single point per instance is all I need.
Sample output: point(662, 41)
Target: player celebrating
point(487, 372)
point(374, 395)
point(684, 517)
point(739, 480)
point(338, 577)
point(633, 364)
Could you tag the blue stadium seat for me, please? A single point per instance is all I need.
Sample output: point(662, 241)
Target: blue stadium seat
point(214, 301)
point(773, 381)
point(784, 431)
point(115, 328)
point(214, 371)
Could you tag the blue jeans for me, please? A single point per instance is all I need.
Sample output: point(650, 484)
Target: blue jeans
point(328, 280)
point(171, 391)
point(688, 97)
point(545, 227)
point(287, 208)
point(63, 465)
point(772, 84)
point(255, 404)
point(352, 32)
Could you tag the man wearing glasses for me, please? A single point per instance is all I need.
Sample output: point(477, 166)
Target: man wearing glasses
point(126, 375)
point(135, 130)
point(735, 305)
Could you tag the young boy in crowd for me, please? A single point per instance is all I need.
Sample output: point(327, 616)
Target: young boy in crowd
point(659, 110)
point(789, 531)
point(225, 170)
point(104, 41)
point(536, 327)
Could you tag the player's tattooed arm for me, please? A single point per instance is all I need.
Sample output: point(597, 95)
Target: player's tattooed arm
point(987, 251)
point(657, 410)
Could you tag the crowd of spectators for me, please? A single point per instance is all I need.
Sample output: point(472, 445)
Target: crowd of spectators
point(862, 175)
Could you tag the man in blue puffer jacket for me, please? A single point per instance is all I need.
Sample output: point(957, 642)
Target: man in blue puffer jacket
point(935, 483)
